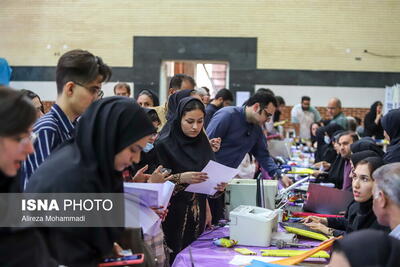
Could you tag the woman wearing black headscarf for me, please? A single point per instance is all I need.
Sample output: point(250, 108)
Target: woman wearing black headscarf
point(185, 150)
point(325, 150)
point(149, 157)
point(174, 100)
point(109, 137)
point(148, 161)
point(372, 121)
point(359, 214)
point(355, 158)
point(366, 248)
point(18, 246)
point(313, 133)
point(366, 143)
point(147, 98)
point(391, 125)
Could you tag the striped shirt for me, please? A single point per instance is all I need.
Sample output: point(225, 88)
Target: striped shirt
point(52, 129)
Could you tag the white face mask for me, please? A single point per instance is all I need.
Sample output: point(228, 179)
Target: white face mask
point(148, 147)
point(327, 139)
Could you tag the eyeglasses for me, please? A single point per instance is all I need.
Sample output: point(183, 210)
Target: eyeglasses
point(93, 90)
point(267, 114)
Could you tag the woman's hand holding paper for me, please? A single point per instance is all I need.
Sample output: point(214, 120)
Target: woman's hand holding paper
point(193, 177)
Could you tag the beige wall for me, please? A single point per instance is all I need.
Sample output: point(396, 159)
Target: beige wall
point(291, 34)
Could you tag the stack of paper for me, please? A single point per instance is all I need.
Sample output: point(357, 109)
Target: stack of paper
point(139, 198)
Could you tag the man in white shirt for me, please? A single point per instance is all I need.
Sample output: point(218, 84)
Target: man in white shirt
point(387, 197)
point(304, 115)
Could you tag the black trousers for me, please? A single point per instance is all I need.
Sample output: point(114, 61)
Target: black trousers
point(217, 206)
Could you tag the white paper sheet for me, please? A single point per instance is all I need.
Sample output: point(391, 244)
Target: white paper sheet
point(148, 198)
point(139, 197)
point(137, 215)
point(217, 173)
point(151, 194)
point(241, 260)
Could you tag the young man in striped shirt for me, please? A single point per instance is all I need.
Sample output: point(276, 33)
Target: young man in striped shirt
point(79, 77)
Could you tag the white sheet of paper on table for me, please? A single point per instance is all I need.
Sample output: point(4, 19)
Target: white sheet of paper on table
point(241, 260)
point(217, 173)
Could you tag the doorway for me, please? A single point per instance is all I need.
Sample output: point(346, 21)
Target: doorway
point(211, 74)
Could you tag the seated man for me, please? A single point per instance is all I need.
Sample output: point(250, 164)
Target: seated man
point(386, 192)
point(341, 176)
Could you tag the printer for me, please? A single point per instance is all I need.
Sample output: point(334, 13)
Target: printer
point(253, 226)
point(244, 191)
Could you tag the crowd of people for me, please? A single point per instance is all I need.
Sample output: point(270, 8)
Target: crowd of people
point(89, 144)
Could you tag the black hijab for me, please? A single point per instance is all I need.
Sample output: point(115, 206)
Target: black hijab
point(150, 94)
point(174, 100)
point(370, 127)
point(147, 158)
point(366, 143)
point(276, 116)
point(314, 137)
point(376, 162)
point(85, 164)
point(369, 248)
point(372, 110)
point(151, 114)
point(150, 111)
point(330, 154)
point(179, 152)
point(336, 135)
point(391, 124)
point(326, 151)
point(335, 174)
point(173, 103)
point(358, 156)
point(361, 214)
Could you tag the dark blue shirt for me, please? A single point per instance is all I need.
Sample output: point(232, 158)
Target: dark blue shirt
point(52, 129)
point(210, 110)
point(239, 137)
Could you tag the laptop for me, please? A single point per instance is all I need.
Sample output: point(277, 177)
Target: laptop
point(279, 148)
point(326, 200)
